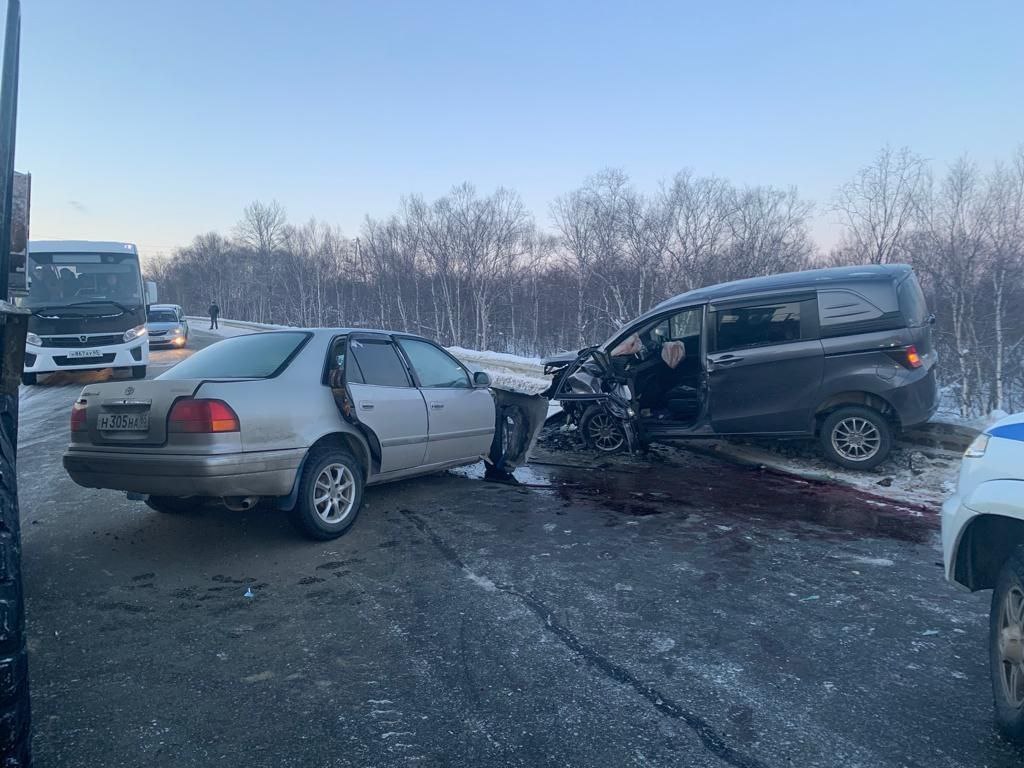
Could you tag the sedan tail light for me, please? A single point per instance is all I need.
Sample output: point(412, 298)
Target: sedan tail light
point(202, 416)
point(78, 413)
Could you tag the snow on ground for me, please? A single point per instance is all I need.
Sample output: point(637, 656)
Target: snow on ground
point(228, 328)
point(949, 413)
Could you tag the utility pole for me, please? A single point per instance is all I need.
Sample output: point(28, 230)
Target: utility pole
point(15, 716)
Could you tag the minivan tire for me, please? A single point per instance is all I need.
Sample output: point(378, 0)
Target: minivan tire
point(602, 431)
point(328, 471)
point(856, 437)
point(138, 371)
point(29, 379)
point(1007, 597)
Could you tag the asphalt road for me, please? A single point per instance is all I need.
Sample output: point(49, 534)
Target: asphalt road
point(675, 611)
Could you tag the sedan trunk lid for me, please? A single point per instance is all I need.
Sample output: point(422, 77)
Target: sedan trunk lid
point(132, 413)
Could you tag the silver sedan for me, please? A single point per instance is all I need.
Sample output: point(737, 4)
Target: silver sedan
point(307, 418)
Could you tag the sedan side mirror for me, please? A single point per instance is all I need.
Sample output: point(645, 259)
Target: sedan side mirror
point(481, 379)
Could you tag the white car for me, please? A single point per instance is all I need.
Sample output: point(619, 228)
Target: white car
point(983, 548)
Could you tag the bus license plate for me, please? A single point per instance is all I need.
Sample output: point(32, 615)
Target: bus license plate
point(85, 353)
point(124, 422)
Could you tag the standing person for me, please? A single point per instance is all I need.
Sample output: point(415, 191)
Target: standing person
point(214, 311)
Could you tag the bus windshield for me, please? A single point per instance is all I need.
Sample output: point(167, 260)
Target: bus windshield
point(82, 280)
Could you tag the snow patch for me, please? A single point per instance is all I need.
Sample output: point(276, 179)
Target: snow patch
point(481, 581)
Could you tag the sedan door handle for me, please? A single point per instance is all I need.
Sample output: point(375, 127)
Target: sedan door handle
point(437, 406)
point(366, 405)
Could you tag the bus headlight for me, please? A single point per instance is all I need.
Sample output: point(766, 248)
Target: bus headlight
point(134, 333)
point(33, 339)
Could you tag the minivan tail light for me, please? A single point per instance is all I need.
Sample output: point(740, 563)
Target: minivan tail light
point(908, 357)
point(78, 413)
point(202, 416)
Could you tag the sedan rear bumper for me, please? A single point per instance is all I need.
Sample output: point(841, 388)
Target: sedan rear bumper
point(257, 473)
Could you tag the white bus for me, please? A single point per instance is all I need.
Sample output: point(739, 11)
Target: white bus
point(88, 305)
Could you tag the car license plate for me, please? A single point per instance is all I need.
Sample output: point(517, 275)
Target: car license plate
point(124, 422)
point(85, 353)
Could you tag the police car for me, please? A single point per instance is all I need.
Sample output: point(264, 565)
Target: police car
point(983, 548)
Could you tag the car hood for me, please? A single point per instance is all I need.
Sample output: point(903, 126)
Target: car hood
point(1010, 427)
point(163, 326)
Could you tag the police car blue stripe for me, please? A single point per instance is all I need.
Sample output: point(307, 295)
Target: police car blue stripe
point(1009, 431)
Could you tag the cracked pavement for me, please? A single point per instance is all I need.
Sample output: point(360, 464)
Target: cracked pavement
point(676, 611)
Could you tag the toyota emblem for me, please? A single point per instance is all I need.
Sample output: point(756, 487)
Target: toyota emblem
point(129, 391)
point(83, 338)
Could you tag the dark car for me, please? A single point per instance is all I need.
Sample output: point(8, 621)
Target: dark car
point(842, 354)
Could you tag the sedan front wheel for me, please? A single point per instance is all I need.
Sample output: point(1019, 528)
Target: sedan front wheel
point(330, 494)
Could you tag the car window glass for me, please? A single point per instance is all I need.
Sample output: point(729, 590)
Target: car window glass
point(162, 316)
point(256, 356)
point(434, 367)
point(379, 363)
point(684, 324)
point(912, 302)
point(342, 368)
point(756, 326)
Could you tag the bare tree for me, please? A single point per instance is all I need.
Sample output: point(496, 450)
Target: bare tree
point(877, 206)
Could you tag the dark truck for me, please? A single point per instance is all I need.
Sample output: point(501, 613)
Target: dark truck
point(844, 355)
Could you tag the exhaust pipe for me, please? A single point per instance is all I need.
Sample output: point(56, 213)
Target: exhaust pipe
point(240, 503)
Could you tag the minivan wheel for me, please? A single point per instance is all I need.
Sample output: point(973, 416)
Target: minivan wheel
point(28, 379)
point(1006, 648)
point(330, 494)
point(138, 371)
point(856, 438)
point(601, 431)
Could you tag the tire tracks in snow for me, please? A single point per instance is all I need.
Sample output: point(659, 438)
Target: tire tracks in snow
point(712, 740)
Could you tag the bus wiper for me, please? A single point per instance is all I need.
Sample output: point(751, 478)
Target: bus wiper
point(94, 302)
point(49, 310)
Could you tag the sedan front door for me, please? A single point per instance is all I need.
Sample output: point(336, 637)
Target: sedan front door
point(386, 401)
point(460, 416)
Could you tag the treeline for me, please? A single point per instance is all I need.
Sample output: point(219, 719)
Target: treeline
point(478, 270)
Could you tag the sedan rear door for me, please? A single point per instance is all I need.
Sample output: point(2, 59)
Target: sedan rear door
point(460, 416)
point(386, 402)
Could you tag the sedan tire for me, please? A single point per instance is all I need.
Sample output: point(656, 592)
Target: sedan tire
point(173, 505)
point(856, 437)
point(330, 494)
point(1006, 648)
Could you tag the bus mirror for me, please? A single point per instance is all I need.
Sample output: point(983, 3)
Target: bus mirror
point(150, 292)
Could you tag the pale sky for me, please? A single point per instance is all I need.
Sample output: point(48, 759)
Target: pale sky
point(153, 122)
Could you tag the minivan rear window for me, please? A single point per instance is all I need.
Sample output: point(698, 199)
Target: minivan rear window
point(257, 356)
point(912, 302)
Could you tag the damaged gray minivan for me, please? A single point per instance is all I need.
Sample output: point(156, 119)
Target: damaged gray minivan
point(844, 355)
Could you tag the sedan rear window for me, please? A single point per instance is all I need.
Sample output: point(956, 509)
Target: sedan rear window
point(258, 356)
